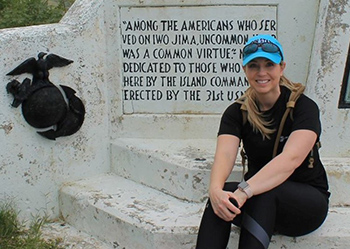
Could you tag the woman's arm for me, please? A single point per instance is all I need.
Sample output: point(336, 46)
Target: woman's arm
point(225, 157)
point(278, 170)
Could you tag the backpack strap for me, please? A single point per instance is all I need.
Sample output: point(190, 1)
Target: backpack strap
point(244, 113)
point(294, 95)
point(317, 146)
point(243, 154)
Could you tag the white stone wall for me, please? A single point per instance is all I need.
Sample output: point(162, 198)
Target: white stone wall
point(327, 66)
point(32, 168)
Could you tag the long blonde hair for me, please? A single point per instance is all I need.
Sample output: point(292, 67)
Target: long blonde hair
point(256, 117)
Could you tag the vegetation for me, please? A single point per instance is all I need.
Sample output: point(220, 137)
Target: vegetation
point(15, 235)
point(19, 13)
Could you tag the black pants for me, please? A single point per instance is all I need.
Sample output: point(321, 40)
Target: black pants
point(291, 209)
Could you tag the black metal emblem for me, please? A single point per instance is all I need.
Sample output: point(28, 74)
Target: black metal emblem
point(44, 105)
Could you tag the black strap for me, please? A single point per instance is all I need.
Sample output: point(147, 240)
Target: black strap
point(256, 230)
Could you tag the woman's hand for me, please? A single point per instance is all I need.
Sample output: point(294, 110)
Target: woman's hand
point(220, 201)
point(225, 157)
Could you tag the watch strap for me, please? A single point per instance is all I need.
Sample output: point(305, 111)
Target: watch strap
point(244, 187)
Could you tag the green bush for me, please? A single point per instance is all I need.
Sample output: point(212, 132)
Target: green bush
point(19, 13)
point(15, 235)
point(9, 224)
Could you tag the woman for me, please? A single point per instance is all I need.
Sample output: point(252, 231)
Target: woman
point(284, 194)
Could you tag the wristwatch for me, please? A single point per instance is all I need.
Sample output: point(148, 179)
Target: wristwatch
point(244, 187)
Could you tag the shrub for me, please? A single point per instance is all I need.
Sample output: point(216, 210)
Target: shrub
point(15, 235)
point(19, 13)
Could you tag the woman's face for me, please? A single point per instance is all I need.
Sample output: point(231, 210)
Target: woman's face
point(264, 75)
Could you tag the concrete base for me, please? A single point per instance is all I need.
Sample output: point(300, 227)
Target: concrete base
point(125, 213)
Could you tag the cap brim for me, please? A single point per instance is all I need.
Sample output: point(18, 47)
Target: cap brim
point(274, 57)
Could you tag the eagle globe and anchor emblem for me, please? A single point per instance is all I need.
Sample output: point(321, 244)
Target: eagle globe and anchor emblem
point(44, 105)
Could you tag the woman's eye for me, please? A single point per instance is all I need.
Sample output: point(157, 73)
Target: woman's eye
point(252, 65)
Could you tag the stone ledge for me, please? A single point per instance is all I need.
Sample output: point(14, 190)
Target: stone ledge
point(130, 215)
point(181, 167)
point(124, 213)
point(177, 167)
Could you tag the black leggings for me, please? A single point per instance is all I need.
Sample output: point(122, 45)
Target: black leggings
point(291, 209)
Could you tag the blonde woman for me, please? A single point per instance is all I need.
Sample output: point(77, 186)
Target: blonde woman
point(286, 194)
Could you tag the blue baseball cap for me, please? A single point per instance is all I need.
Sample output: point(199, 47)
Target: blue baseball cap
point(276, 56)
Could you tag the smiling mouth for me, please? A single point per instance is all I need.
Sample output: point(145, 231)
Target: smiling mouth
point(262, 81)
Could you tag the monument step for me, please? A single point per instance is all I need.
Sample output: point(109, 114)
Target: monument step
point(177, 167)
point(126, 214)
point(181, 167)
